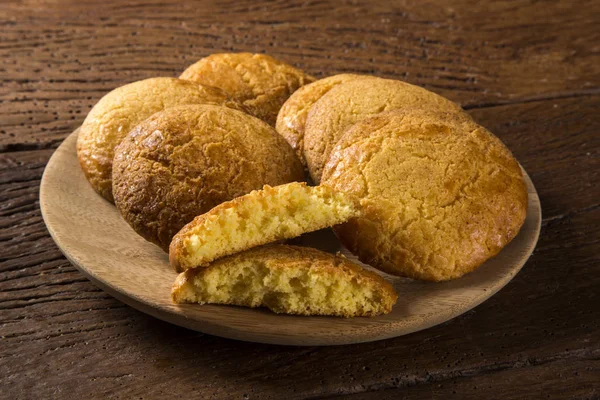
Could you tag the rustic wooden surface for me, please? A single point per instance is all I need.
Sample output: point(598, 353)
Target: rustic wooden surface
point(527, 70)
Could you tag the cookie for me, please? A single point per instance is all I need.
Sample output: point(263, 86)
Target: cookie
point(185, 160)
point(260, 217)
point(352, 101)
point(291, 119)
point(122, 109)
point(290, 280)
point(259, 82)
point(440, 194)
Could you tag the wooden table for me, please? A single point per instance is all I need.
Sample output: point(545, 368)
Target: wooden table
point(527, 70)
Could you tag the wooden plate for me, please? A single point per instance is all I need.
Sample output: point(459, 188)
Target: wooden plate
point(93, 236)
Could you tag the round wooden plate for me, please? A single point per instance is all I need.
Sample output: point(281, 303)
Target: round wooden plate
point(93, 236)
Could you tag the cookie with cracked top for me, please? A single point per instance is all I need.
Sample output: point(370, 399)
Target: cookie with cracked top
point(122, 109)
point(352, 101)
point(258, 81)
point(291, 120)
point(185, 160)
point(440, 194)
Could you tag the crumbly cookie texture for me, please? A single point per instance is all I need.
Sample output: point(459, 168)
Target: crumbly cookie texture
point(259, 82)
point(185, 160)
point(260, 217)
point(291, 119)
point(120, 110)
point(352, 101)
point(290, 280)
point(440, 194)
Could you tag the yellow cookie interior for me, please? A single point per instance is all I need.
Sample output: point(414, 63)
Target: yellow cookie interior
point(260, 217)
point(293, 286)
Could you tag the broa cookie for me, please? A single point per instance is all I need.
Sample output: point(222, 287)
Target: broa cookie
point(291, 119)
point(352, 101)
point(185, 160)
point(440, 194)
point(260, 217)
point(288, 279)
point(258, 81)
point(120, 110)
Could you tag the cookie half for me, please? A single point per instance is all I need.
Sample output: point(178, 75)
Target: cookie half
point(259, 82)
point(352, 101)
point(440, 194)
point(260, 217)
point(290, 280)
point(120, 110)
point(185, 160)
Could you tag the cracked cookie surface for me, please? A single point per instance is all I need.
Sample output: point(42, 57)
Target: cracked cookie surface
point(352, 101)
point(123, 108)
point(185, 160)
point(440, 194)
point(259, 82)
point(291, 119)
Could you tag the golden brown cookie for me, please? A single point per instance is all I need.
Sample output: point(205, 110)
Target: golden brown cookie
point(440, 194)
point(257, 218)
point(185, 160)
point(352, 101)
point(259, 82)
point(291, 119)
point(122, 109)
point(288, 279)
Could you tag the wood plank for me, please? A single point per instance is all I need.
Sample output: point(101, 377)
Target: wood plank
point(55, 324)
point(55, 67)
point(527, 379)
point(557, 142)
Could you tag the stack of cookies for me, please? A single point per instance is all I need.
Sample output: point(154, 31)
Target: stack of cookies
point(408, 181)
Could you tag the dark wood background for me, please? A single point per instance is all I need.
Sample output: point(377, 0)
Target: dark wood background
point(528, 70)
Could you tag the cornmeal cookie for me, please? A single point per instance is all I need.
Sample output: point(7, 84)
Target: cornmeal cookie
point(122, 109)
point(440, 194)
point(352, 101)
point(291, 119)
point(288, 279)
point(259, 82)
point(260, 217)
point(185, 160)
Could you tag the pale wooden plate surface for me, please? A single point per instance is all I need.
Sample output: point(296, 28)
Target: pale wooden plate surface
point(94, 237)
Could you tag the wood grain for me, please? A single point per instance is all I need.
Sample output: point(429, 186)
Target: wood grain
point(529, 72)
point(504, 52)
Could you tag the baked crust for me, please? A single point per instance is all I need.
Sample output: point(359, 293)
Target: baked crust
point(352, 101)
point(123, 108)
point(185, 160)
point(258, 81)
point(440, 194)
point(291, 119)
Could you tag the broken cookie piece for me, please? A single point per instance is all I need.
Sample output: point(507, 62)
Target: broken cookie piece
point(260, 217)
point(290, 280)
